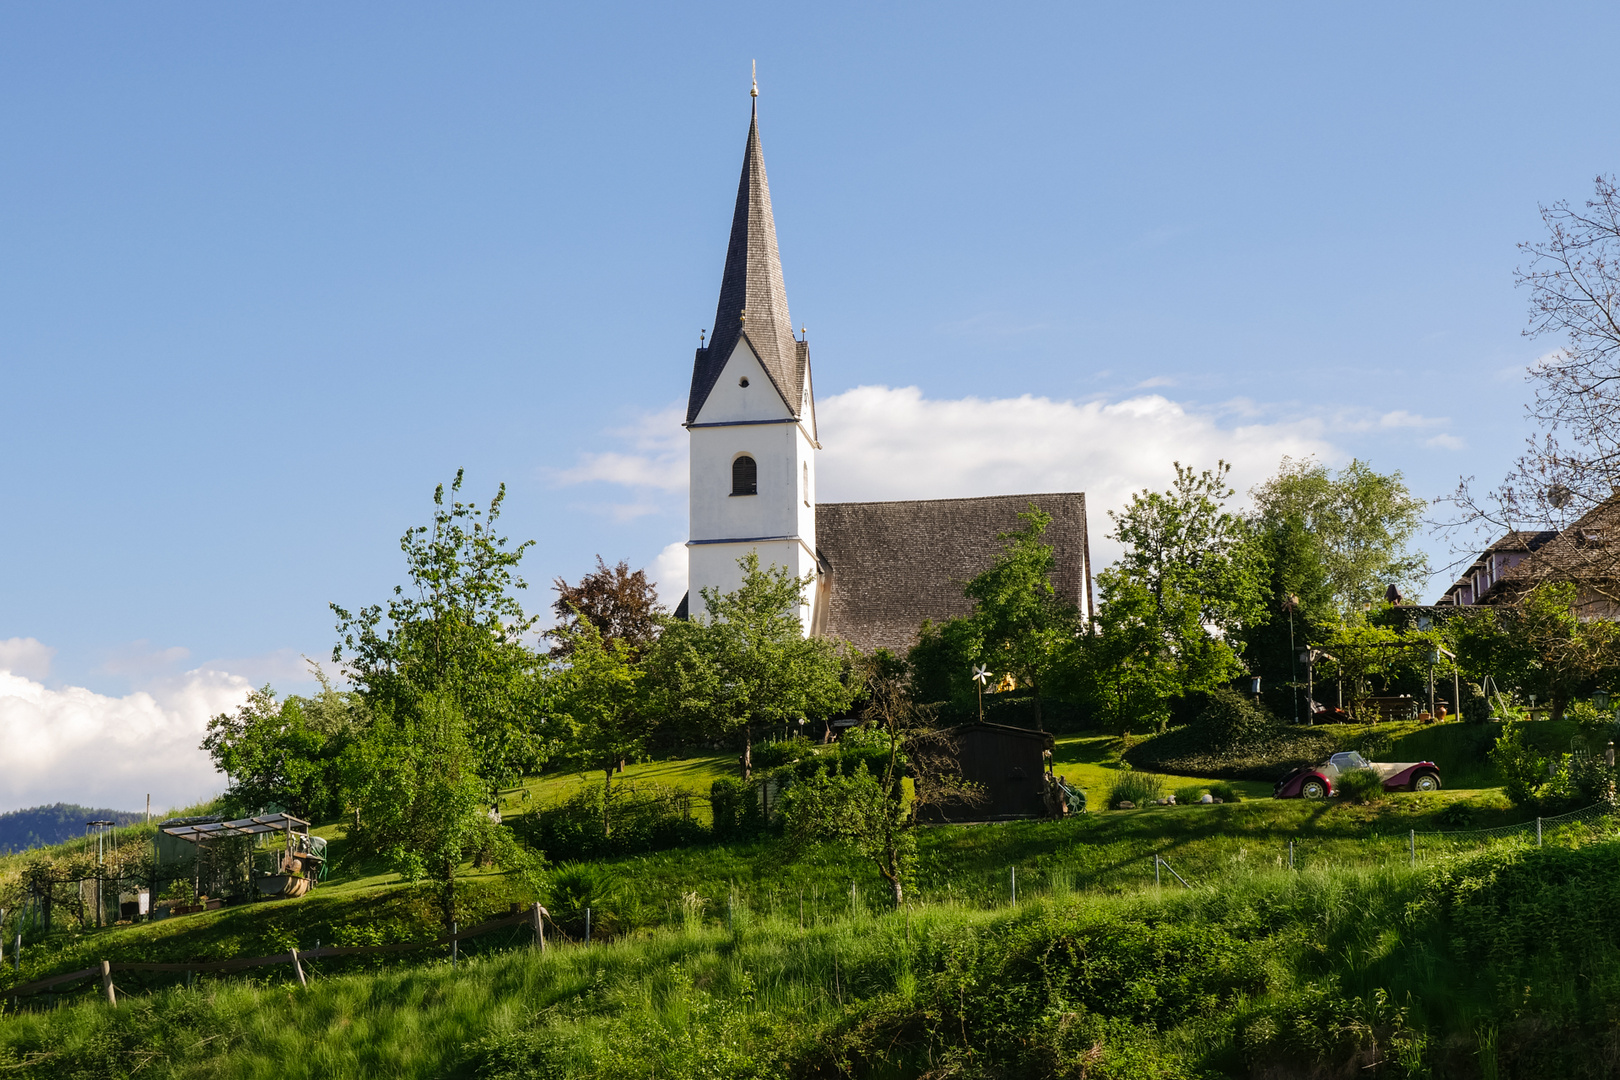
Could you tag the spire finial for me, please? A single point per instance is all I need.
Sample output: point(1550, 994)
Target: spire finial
point(754, 93)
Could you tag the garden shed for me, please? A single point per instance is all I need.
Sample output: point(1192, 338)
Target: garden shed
point(1009, 763)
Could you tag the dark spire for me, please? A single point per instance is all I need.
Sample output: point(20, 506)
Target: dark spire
point(753, 300)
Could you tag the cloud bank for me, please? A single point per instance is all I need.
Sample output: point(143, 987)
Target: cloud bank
point(74, 745)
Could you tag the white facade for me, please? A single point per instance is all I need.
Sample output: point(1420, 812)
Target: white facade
point(745, 415)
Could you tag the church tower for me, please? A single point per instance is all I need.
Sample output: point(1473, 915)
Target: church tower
point(751, 416)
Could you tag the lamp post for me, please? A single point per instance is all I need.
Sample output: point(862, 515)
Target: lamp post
point(1289, 605)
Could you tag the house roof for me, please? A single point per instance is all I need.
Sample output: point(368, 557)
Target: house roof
point(753, 299)
point(1588, 552)
point(1515, 540)
point(894, 564)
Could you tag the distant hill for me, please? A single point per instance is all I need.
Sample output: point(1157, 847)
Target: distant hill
point(42, 825)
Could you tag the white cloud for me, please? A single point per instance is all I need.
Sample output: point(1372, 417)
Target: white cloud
point(26, 656)
point(74, 745)
point(669, 573)
point(660, 463)
point(1447, 442)
point(893, 443)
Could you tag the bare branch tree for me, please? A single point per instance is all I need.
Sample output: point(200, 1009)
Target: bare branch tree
point(1570, 470)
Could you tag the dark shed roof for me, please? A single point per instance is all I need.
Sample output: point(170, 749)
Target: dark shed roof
point(894, 564)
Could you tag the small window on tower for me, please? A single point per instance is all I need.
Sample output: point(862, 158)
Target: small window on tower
point(744, 476)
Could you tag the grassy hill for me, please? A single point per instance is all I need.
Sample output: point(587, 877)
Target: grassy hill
point(749, 959)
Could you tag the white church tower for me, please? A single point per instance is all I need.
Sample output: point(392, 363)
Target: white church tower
point(751, 416)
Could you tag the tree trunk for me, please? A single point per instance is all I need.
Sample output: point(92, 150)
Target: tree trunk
point(607, 793)
point(1039, 725)
point(899, 892)
point(748, 753)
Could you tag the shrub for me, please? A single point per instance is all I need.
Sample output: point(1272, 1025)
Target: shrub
point(1230, 720)
point(1185, 751)
point(1136, 787)
point(1190, 793)
point(1360, 786)
point(643, 817)
point(1476, 707)
point(737, 810)
point(1522, 768)
point(575, 887)
point(771, 755)
point(1226, 791)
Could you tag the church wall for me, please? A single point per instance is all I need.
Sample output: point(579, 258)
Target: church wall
point(716, 513)
point(729, 401)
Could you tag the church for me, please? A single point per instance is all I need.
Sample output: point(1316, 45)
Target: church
point(877, 569)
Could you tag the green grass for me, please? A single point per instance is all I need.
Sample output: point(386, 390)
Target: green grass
point(1301, 973)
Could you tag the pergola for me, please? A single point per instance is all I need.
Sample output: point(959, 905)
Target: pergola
point(248, 826)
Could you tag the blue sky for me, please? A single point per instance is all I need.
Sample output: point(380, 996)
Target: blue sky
point(269, 274)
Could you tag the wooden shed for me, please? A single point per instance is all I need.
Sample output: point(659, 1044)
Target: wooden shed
point(1008, 763)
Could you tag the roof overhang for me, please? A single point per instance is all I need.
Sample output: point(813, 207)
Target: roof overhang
point(249, 826)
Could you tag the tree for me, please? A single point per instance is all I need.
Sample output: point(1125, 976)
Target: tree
point(1542, 644)
point(273, 755)
point(1189, 577)
point(597, 698)
point(621, 605)
point(457, 633)
point(1345, 533)
point(421, 802)
point(453, 692)
point(870, 812)
point(1571, 467)
point(745, 661)
point(1019, 621)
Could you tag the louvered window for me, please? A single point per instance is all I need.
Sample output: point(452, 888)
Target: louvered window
point(744, 476)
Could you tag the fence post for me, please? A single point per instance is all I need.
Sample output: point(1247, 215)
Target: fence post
point(298, 968)
point(535, 917)
point(1014, 884)
point(587, 926)
point(16, 953)
point(107, 983)
point(455, 928)
point(1538, 832)
point(1290, 854)
point(1412, 846)
point(1155, 869)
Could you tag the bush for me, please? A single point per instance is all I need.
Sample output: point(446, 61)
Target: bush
point(642, 818)
point(575, 887)
point(1185, 752)
point(771, 755)
point(1190, 793)
point(1226, 792)
point(1136, 787)
point(1476, 707)
point(1360, 786)
point(1231, 720)
point(737, 812)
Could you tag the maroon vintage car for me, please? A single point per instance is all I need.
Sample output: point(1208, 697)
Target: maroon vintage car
point(1318, 782)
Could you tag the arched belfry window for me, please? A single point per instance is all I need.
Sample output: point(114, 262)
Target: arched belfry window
point(744, 476)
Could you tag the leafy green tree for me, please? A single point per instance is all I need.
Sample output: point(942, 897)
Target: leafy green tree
point(1019, 620)
point(455, 632)
point(1345, 533)
point(744, 663)
point(420, 801)
point(1190, 575)
point(597, 698)
point(1019, 625)
point(285, 754)
point(1542, 645)
point(454, 694)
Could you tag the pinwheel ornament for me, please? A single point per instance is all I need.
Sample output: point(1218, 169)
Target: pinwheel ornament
point(981, 675)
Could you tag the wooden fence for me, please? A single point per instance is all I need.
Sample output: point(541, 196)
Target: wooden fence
point(535, 917)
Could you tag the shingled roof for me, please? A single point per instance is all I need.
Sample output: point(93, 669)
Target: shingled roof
point(752, 283)
point(894, 564)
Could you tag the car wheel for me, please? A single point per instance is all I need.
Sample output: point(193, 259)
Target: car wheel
point(1426, 781)
point(1313, 789)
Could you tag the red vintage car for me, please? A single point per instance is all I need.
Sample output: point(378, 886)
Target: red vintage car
point(1318, 782)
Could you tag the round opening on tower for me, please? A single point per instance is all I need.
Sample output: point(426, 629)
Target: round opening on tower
point(743, 381)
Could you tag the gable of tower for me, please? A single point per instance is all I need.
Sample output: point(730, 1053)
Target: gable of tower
point(743, 390)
